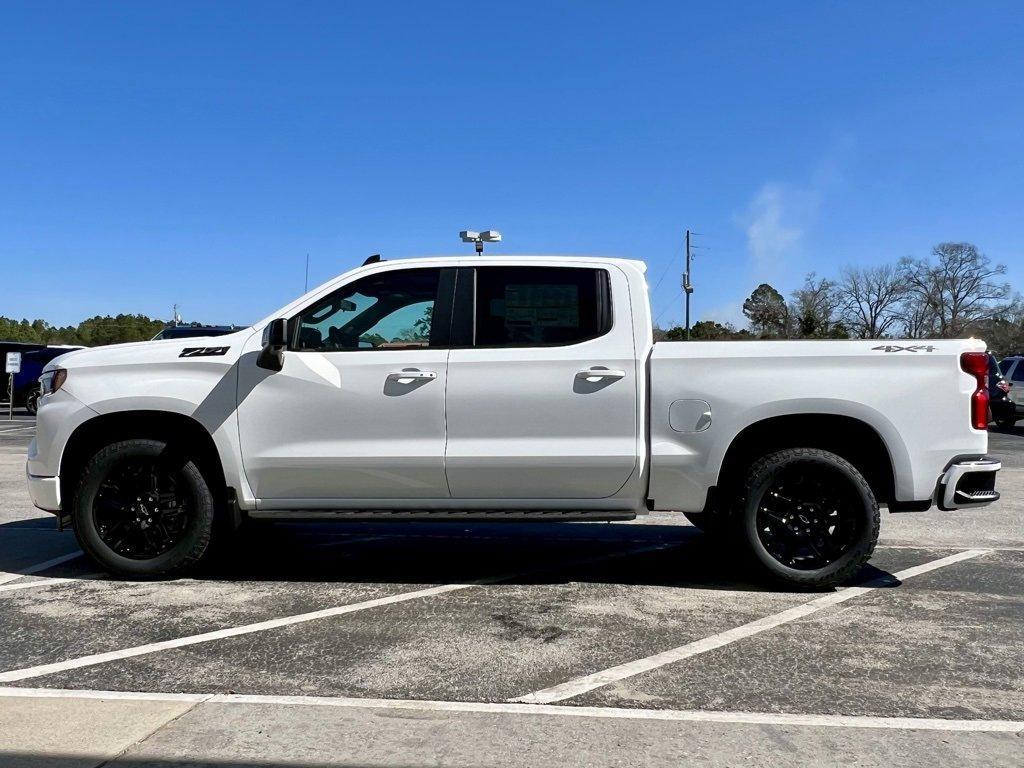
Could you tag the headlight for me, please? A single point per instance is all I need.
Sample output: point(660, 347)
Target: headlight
point(52, 380)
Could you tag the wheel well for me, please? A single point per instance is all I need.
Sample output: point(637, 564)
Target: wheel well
point(182, 433)
point(850, 438)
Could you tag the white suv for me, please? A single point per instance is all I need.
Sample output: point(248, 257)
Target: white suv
point(1013, 371)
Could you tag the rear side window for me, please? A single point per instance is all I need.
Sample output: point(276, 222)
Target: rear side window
point(540, 306)
point(1018, 372)
point(1005, 366)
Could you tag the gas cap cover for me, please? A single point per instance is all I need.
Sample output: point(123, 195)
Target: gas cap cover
point(689, 415)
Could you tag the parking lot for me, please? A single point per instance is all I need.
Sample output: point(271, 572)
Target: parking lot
point(479, 644)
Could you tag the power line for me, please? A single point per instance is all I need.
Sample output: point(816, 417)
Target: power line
point(667, 307)
point(664, 272)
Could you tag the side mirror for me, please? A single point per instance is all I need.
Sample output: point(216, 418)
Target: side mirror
point(275, 341)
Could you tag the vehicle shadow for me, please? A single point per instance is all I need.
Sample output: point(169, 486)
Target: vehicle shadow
point(431, 553)
point(514, 553)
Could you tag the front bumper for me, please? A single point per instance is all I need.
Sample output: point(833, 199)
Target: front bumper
point(44, 492)
point(968, 483)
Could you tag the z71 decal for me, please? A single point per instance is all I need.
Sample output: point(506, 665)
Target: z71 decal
point(897, 348)
point(203, 351)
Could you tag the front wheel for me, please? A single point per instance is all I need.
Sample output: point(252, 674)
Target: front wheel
point(32, 402)
point(142, 511)
point(808, 517)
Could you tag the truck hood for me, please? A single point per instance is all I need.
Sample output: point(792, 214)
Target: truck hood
point(223, 348)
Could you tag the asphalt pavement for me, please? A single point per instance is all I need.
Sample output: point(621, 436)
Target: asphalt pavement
point(461, 644)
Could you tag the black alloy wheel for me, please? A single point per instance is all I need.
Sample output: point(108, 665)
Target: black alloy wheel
point(808, 517)
point(805, 518)
point(139, 511)
point(143, 511)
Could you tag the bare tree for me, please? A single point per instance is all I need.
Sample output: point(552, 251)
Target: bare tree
point(869, 299)
point(916, 316)
point(815, 308)
point(962, 288)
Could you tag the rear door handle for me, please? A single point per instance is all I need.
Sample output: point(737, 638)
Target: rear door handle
point(596, 374)
point(408, 377)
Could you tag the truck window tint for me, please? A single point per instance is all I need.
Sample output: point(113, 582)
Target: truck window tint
point(533, 306)
point(1004, 366)
point(1018, 372)
point(389, 310)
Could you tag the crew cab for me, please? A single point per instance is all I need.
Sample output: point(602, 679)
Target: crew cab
point(510, 388)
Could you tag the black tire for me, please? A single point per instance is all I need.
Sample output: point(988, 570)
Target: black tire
point(113, 531)
point(32, 402)
point(1006, 422)
point(821, 524)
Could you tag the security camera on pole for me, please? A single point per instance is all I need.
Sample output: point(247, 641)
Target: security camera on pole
point(479, 238)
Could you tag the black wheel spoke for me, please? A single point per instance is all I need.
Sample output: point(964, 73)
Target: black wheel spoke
point(803, 519)
point(139, 511)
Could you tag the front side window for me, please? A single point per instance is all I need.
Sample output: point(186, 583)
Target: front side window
point(1018, 372)
point(540, 306)
point(388, 310)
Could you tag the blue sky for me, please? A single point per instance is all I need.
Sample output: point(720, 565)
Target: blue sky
point(153, 153)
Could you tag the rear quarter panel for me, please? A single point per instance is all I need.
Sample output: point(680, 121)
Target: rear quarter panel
point(917, 401)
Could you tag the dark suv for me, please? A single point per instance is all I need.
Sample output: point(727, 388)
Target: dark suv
point(26, 383)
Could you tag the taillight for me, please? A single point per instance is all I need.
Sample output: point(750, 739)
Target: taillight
point(976, 364)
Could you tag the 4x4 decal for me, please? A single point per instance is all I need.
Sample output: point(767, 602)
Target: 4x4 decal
point(898, 348)
point(203, 351)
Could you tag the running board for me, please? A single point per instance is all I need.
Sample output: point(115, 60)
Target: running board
point(434, 515)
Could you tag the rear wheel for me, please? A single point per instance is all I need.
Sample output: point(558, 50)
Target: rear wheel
point(808, 517)
point(142, 511)
point(32, 402)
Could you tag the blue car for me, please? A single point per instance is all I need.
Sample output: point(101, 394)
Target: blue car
point(26, 383)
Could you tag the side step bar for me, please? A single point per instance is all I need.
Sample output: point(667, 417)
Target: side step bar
point(435, 515)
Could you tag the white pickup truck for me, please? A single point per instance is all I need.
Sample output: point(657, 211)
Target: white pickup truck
point(505, 388)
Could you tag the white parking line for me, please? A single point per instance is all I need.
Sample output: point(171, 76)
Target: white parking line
point(52, 582)
point(6, 576)
point(581, 685)
point(262, 626)
point(507, 708)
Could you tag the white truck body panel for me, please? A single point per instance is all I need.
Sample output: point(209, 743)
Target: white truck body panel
point(916, 402)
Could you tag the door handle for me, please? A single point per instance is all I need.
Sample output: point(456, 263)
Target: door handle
point(408, 377)
point(594, 375)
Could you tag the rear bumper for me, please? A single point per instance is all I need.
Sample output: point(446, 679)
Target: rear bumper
point(968, 482)
point(44, 492)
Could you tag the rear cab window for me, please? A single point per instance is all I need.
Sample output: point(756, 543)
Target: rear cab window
point(540, 306)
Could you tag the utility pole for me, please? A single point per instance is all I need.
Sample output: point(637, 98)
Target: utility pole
point(687, 285)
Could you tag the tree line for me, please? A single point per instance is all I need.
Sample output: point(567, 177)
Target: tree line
point(93, 332)
point(956, 292)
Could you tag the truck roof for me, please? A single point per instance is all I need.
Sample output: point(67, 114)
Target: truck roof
point(476, 259)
